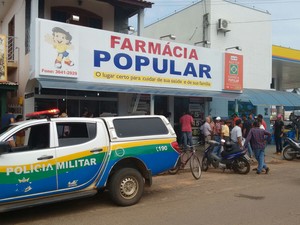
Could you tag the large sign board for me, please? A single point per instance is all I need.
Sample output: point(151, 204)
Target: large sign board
point(86, 54)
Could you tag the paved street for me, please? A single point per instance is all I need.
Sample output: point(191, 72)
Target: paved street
point(217, 198)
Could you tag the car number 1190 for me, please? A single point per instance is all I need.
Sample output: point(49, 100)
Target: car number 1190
point(161, 148)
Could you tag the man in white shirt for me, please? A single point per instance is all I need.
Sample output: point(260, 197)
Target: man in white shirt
point(236, 133)
point(206, 129)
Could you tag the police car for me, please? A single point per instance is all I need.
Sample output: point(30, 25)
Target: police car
point(66, 158)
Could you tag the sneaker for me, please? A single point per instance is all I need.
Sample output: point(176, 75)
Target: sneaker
point(69, 63)
point(257, 172)
point(57, 64)
point(267, 170)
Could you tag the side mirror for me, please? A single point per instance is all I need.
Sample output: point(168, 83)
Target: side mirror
point(4, 147)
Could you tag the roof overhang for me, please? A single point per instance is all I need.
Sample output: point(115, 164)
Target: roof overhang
point(9, 86)
point(255, 96)
point(131, 7)
point(286, 67)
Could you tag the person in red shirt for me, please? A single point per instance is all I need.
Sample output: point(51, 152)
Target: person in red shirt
point(186, 121)
point(234, 119)
point(217, 136)
point(262, 121)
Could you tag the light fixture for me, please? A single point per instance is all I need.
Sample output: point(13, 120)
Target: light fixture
point(235, 47)
point(171, 36)
point(73, 18)
point(130, 28)
point(204, 42)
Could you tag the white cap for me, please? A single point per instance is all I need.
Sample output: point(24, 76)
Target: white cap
point(218, 118)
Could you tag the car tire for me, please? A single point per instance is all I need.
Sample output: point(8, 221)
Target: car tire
point(126, 187)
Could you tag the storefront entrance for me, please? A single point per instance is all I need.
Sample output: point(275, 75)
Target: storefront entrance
point(194, 106)
point(76, 103)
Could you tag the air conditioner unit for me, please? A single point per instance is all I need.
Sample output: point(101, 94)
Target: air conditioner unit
point(223, 25)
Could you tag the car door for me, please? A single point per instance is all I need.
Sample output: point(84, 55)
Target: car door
point(28, 170)
point(82, 147)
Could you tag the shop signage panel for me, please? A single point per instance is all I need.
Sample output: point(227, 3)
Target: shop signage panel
point(233, 72)
point(99, 56)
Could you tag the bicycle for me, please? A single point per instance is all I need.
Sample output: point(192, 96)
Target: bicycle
point(188, 155)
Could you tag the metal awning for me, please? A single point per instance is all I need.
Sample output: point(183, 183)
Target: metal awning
point(255, 96)
point(270, 97)
point(90, 86)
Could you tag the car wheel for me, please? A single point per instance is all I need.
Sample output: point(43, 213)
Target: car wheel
point(126, 187)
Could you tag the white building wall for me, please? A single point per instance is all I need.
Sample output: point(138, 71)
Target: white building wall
point(186, 25)
point(253, 37)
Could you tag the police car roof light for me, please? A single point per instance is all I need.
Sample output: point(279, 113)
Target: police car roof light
point(44, 113)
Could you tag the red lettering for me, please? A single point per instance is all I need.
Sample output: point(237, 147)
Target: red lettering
point(114, 40)
point(140, 46)
point(193, 54)
point(126, 45)
point(154, 48)
point(167, 50)
point(185, 53)
point(177, 51)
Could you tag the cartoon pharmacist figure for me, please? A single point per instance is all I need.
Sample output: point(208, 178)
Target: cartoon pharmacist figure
point(61, 41)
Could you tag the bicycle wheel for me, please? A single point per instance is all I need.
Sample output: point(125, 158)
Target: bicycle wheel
point(175, 169)
point(184, 158)
point(195, 167)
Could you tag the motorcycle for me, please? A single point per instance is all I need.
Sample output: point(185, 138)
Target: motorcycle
point(291, 149)
point(232, 157)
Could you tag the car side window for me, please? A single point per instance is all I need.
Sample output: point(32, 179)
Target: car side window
point(73, 133)
point(127, 127)
point(30, 138)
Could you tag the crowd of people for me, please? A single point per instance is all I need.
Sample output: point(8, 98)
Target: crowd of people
point(247, 132)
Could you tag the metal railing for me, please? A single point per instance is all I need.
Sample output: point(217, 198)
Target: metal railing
point(11, 54)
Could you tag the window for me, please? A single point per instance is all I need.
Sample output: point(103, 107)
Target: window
point(75, 133)
point(139, 127)
point(27, 25)
point(39, 136)
point(30, 138)
point(87, 18)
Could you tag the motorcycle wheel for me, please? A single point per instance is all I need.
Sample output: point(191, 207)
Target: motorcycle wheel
point(288, 153)
point(205, 163)
point(241, 166)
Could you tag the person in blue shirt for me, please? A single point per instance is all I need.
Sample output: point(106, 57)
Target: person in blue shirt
point(8, 118)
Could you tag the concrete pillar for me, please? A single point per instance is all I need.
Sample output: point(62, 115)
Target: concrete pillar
point(140, 22)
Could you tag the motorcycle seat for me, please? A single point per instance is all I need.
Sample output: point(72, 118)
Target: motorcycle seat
point(230, 148)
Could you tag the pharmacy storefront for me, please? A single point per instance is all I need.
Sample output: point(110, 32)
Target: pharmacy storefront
point(76, 68)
